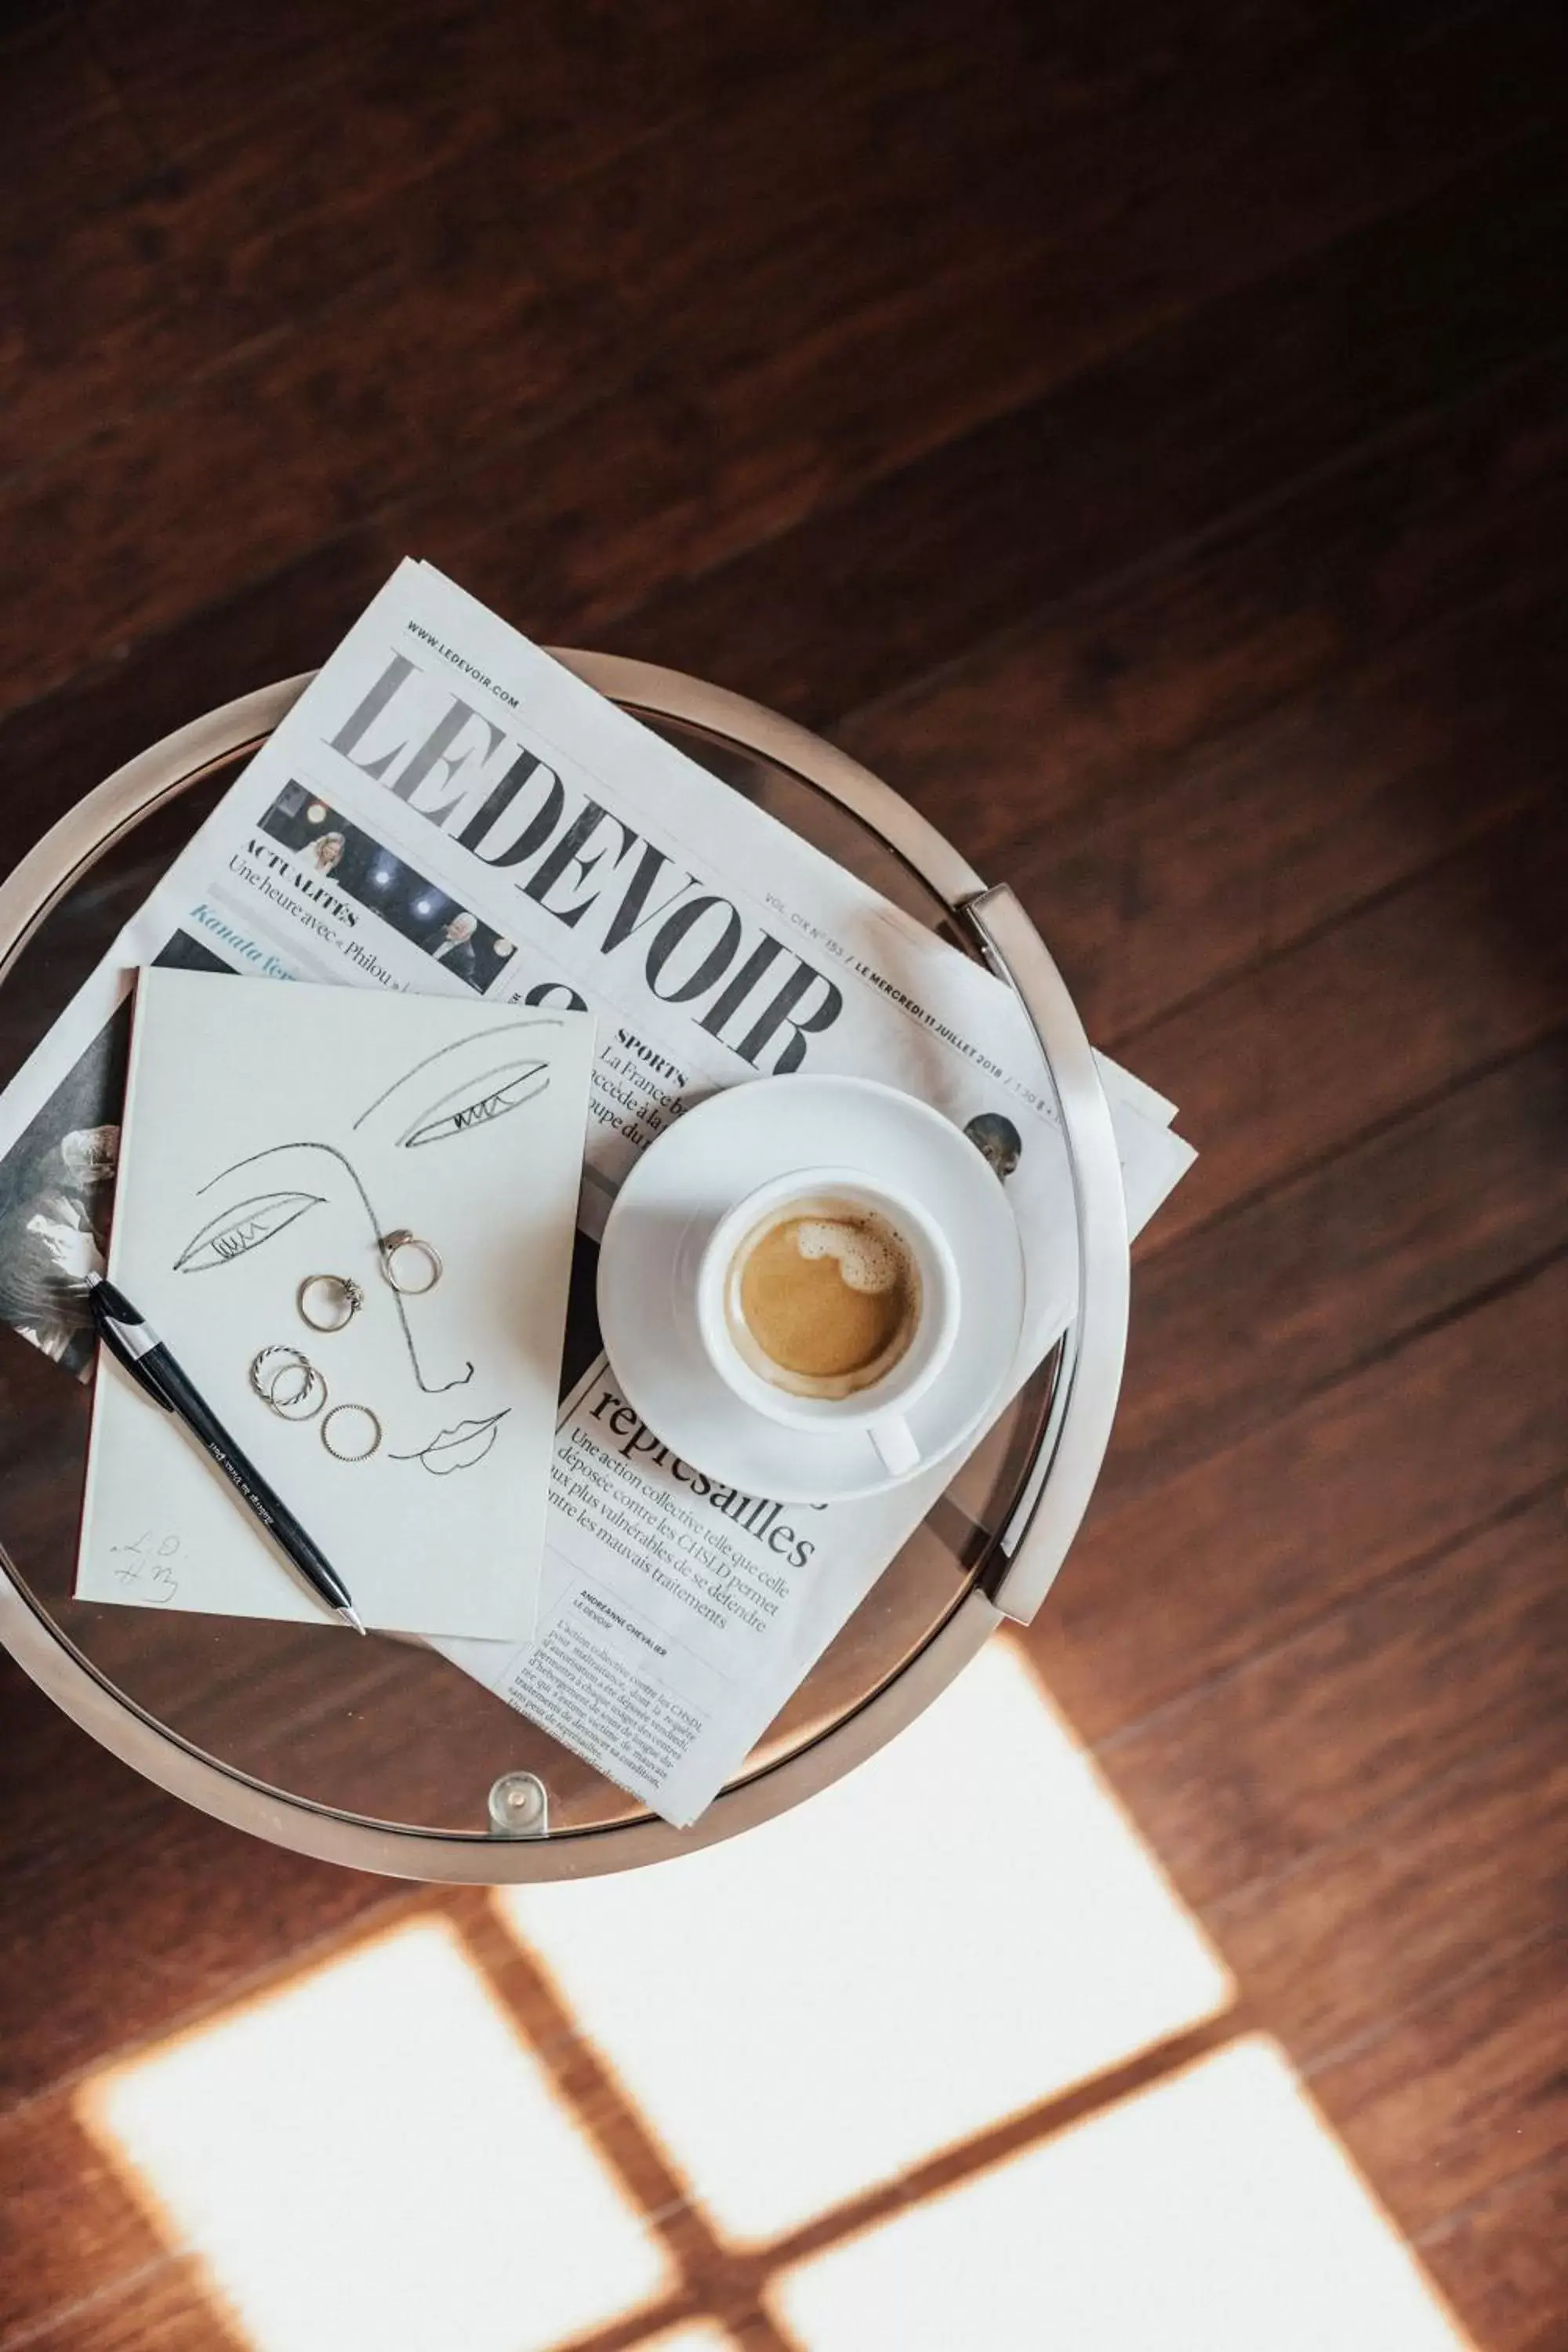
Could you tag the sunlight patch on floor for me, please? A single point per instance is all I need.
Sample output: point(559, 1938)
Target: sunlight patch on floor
point(1213, 2213)
point(371, 2160)
point(963, 1927)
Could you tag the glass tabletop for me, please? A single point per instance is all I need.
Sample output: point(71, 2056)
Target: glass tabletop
point(385, 1732)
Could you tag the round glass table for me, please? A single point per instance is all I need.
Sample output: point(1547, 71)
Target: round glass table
point(381, 1755)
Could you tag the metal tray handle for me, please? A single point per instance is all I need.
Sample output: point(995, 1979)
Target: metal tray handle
point(1033, 1545)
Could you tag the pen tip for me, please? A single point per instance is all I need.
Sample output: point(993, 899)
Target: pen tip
point(351, 1617)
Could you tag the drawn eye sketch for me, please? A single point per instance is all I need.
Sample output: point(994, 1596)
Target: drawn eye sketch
point(489, 1095)
point(511, 1086)
point(242, 1227)
point(433, 1103)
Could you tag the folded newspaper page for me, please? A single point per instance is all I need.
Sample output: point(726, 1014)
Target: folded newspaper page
point(449, 808)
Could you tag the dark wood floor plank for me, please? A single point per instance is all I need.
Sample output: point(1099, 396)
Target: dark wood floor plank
point(70, 2227)
point(1223, 420)
point(332, 459)
point(56, 102)
point(125, 1910)
point(1156, 893)
point(1061, 262)
point(274, 264)
point(375, 147)
point(1292, 1060)
point(215, 472)
point(1312, 1738)
point(1367, 1925)
point(288, 234)
point(592, 519)
point(285, 621)
point(1262, 1537)
point(54, 751)
point(1291, 99)
point(575, 86)
point(277, 449)
point(194, 76)
point(173, 2307)
point(1102, 692)
point(1242, 1318)
point(1463, 2092)
point(1504, 2263)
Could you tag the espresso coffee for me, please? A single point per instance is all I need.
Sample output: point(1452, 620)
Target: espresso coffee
point(822, 1298)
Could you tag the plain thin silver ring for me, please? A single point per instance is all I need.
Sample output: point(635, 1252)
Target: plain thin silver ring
point(349, 1294)
point(389, 1244)
point(336, 1452)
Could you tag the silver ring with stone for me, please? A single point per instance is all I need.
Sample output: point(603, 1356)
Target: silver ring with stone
point(401, 1243)
point(329, 1302)
point(338, 1452)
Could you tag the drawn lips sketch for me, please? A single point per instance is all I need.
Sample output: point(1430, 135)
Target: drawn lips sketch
point(446, 1112)
point(456, 1449)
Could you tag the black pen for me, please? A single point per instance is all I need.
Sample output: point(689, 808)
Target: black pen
point(132, 1340)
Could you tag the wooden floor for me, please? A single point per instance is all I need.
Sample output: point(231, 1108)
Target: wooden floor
point(1142, 434)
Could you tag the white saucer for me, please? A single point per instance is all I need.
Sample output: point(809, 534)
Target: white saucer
point(707, 1161)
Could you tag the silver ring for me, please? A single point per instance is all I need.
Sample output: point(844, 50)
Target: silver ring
point(293, 1389)
point(365, 1452)
point(389, 1244)
point(338, 1298)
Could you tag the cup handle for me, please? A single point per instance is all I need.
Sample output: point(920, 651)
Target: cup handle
point(894, 1441)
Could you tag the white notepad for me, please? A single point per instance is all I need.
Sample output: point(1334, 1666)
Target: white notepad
point(272, 1133)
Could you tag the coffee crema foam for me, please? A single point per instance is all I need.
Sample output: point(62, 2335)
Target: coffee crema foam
point(867, 1260)
point(822, 1298)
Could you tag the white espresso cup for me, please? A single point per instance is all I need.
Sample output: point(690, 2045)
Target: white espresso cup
point(880, 1407)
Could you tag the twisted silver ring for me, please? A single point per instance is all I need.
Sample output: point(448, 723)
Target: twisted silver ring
point(288, 1383)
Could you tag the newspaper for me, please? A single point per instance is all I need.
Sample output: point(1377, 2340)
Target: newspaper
point(449, 808)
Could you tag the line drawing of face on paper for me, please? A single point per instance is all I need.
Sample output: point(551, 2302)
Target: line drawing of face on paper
point(319, 1191)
